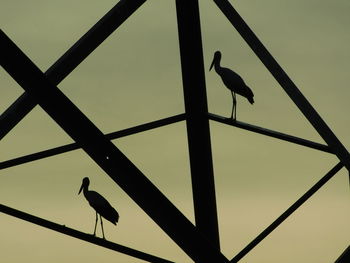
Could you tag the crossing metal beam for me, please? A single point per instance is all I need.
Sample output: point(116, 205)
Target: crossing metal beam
point(288, 212)
point(74, 146)
point(270, 133)
point(199, 145)
point(71, 59)
point(120, 169)
point(82, 236)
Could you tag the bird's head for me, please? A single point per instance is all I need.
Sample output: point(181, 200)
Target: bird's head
point(84, 184)
point(217, 58)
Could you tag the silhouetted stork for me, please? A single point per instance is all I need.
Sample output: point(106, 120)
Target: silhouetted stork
point(100, 204)
point(232, 81)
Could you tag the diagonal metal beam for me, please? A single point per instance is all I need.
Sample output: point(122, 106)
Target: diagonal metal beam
point(120, 169)
point(271, 133)
point(288, 212)
point(344, 257)
point(71, 59)
point(82, 236)
point(197, 122)
point(74, 146)
point(286, 83)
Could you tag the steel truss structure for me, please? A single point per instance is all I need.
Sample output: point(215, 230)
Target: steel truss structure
point(200, 241)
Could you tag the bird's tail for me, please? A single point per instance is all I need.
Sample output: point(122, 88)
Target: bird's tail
point(250, 95)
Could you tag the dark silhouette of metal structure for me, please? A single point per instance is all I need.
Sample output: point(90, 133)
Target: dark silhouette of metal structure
point(200, 241)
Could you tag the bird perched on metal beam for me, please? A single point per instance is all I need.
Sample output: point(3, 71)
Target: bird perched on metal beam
point(100, 204)
point(233, 82)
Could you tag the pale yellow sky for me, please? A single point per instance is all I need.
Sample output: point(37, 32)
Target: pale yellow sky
point(135, 77)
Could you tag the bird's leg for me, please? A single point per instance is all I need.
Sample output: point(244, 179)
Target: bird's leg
point(103, 233)
point(95, 225)
point(234, 102)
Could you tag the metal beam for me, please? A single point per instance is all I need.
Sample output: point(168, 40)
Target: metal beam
point(286, 83)
point(288, 212)
point(271, 133)
point(197, 122)
point(81, 235)
point(71, 59)
point(120, 169)
point(344, 257)
point(74, 146)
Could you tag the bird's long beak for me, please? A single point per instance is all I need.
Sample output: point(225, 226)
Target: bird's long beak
point(212, 64)
point(81, 188)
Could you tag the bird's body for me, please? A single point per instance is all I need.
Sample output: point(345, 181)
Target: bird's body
point(232, 81)
point(235, 83)
point(99, 204)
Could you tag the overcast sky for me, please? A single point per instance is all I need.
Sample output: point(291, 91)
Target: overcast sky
point(135, 77)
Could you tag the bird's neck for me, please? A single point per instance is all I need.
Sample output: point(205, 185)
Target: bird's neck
point(85, 190)
point(217, 66)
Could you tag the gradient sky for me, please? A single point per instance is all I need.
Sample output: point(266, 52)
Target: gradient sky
point(135, 77)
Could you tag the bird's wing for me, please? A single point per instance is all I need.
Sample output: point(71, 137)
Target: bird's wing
point(235, 83)
point(96, 200)
point(231, 79)
point(102, 206)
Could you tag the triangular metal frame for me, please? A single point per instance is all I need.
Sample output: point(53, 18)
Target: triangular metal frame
point(200, 242)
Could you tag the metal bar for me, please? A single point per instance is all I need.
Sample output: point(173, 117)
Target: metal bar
point(81, 235)
point(197, 122)
point(344, 257)
point(74, 146)
point(286, 83)
point(15, 113)
point(271, 133)
point(288, 212)
point(120, 169)
point(71, 59)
